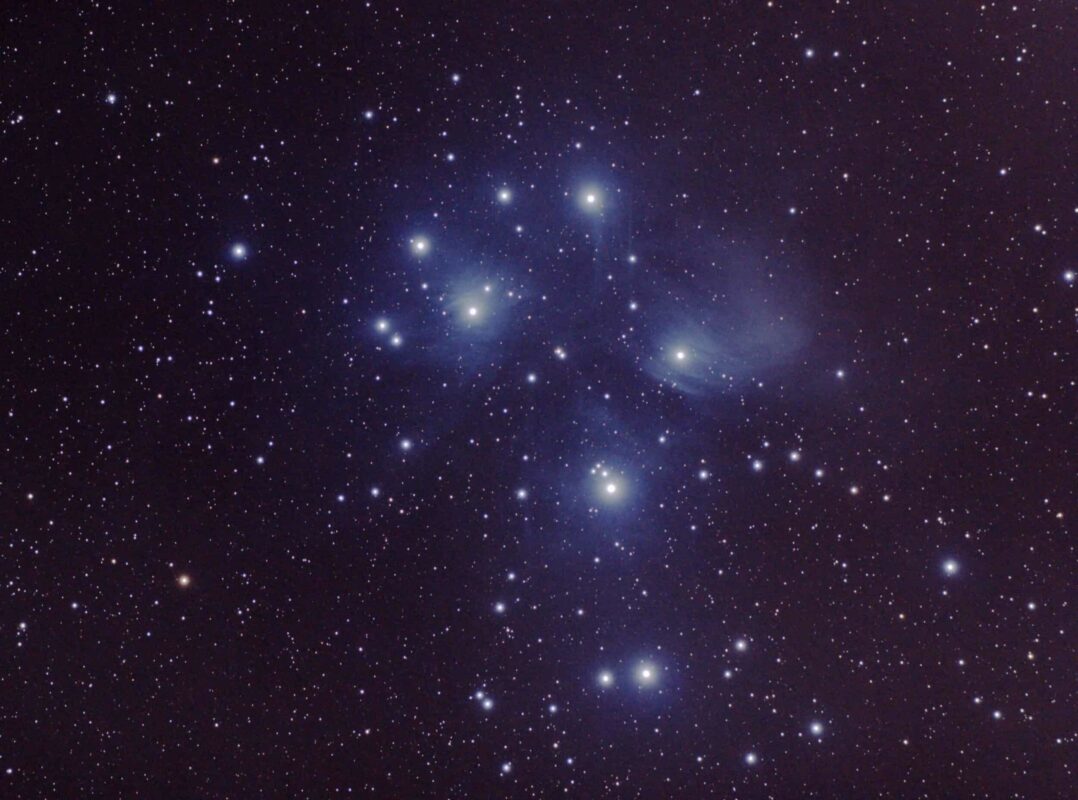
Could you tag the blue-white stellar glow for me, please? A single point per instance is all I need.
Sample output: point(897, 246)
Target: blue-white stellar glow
point(420, 245)
point(647, 674)
point(590, 199)
point(608, 486)
point(475, 306)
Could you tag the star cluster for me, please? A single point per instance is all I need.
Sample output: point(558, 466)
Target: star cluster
point(609, 402)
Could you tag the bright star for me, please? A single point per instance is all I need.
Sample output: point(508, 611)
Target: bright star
point(420, 245)
point(741, 645)
point(950, 567)
point(239, 251)
point(646, 674)
point(591, 199)
point(505, 196)
point(606, 678)
point(608, 486)
point(751, 759)
point(816, 728)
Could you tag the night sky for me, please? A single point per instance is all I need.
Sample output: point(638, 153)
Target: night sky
point(587, 400)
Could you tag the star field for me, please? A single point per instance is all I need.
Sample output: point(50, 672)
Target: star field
point(591, 400)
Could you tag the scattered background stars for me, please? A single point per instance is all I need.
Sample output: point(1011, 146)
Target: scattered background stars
point(610, 401)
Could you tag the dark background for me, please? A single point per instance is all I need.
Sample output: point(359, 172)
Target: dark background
point(330, 642)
